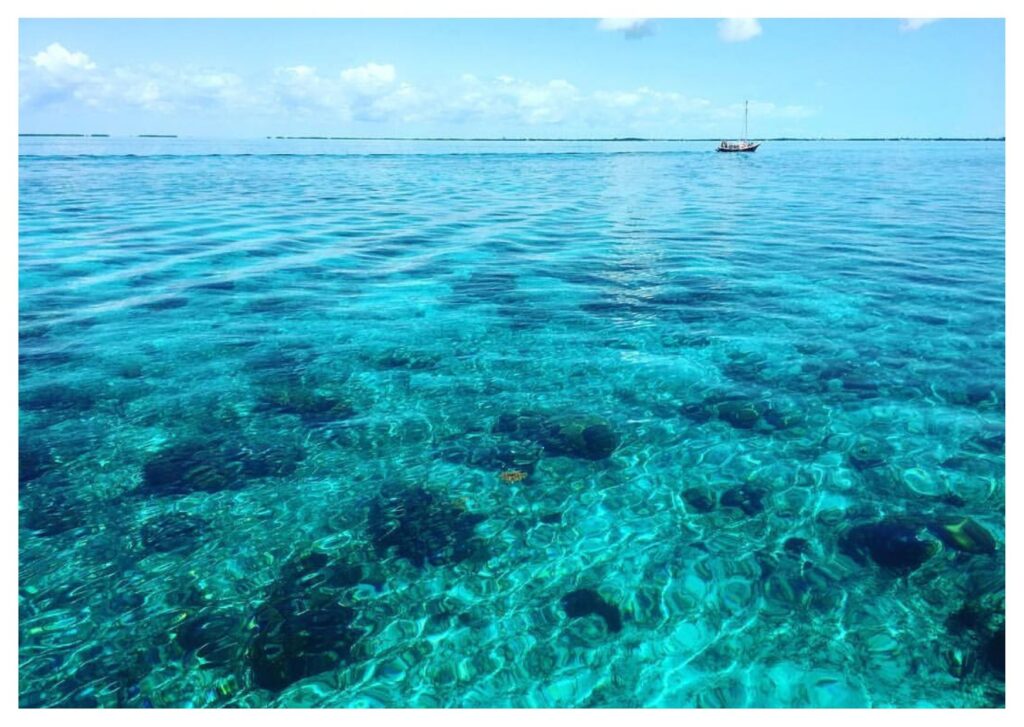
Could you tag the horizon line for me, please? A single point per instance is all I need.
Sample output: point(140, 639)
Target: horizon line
point(504, 138)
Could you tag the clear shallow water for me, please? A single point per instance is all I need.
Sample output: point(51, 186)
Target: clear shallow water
point(495, 425)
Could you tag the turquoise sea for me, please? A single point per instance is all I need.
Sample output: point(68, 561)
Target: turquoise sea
point(511, 424)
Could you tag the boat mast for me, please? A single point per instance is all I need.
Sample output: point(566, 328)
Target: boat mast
point(745, 105)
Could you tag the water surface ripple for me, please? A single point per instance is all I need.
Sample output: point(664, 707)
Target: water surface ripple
point(563, 425)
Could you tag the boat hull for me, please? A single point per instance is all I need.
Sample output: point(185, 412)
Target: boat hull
point(738, 150)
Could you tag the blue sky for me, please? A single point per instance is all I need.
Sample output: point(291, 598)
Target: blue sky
point(540, 78)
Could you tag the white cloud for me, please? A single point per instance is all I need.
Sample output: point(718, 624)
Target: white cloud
point(301, 71)
point(908, 25)
point(57, 59)
point(59, 78)
point(736, 30)
point(301, 88)
point(376, 93)
point(405, 103)
point(168, 90)
point(364, 93)
point(506, 98)
point(56, 75)
point(629, 27)
point(371, 75)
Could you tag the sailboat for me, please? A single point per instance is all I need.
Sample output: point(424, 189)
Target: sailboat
point(742, 144)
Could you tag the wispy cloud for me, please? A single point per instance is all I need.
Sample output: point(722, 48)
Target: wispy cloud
point(909, 25)
point(62, 81)
point(737, 30)
point(631, 28)
point(766, 110)
point(369, 76)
